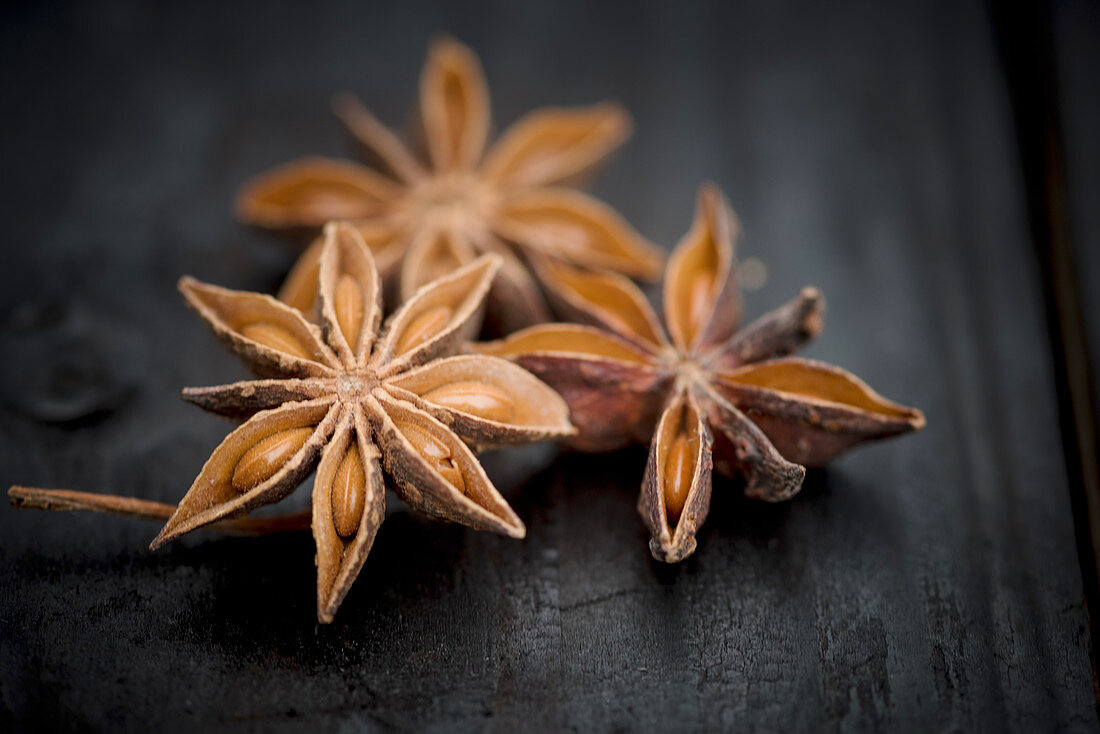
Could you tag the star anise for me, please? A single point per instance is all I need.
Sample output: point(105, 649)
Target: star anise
point(355, 396)
point(711, 396)
point(352, 401)
point(431, 218)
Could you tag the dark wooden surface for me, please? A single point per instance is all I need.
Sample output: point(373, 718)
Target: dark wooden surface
point(931, 583)
point(1074, 63)
point(1076, 28)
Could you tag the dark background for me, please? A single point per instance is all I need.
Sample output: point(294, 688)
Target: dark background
point(907, 158)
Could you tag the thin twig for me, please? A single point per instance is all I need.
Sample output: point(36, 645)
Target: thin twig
point(65, 500)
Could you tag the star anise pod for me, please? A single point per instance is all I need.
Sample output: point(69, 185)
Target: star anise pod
point(353, 401)
point(430, 218)
point(706, 395)
point(361, 400)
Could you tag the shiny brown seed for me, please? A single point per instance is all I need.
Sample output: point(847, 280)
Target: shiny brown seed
point(349, 494)
point(679, 470)
point(435, 452)
point(276, 337)
point(348, 303)
point(261, 461)
point(478, 398)
point(698, 303)
point(423, 327)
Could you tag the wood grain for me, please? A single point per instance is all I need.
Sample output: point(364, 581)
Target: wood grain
point(931, 583)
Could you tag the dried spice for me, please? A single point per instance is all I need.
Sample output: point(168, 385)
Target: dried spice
point(354, 401)
point(706, 394)
point(430, 218)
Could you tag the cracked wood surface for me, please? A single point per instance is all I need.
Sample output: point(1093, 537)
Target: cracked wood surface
point(925, 584)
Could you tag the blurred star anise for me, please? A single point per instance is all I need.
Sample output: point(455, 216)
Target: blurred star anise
point(711, 397)
point(429, 219)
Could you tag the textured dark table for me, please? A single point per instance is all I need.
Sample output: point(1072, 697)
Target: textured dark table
point(932, 583)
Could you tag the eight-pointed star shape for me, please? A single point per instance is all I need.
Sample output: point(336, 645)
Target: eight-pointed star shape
point(712, 396)
point(431, 218)
point(359, 401)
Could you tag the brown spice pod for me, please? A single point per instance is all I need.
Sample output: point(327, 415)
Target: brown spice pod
point(463, 201)
point(672, 530)
point(760, 411)
point(331, 398)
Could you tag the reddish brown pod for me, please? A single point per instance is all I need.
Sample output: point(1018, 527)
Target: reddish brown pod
point(706, 393)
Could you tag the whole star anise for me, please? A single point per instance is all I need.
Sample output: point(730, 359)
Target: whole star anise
point(431, 218)
point(352, 401)
point(712, 396)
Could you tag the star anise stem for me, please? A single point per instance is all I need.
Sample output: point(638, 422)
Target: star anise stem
point(65, 500)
